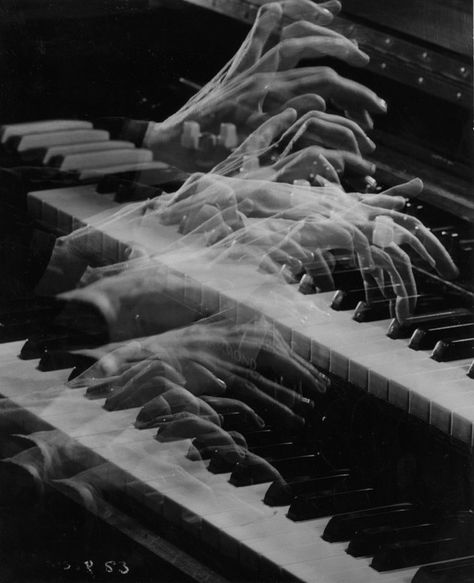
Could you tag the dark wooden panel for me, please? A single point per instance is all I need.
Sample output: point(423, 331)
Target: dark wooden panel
point(444, 24)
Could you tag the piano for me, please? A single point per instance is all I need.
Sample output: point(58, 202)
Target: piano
point(408, 418)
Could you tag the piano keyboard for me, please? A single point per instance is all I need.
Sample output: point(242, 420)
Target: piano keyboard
point(73, 145)
point(160, 477)
point(438, 393)
point(234, 520)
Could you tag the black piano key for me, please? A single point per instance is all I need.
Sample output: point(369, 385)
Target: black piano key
point(135, 192)
point(347, 299)
point(411, 553)
point(370, 541)
point(239, 421)
point(20, 319)
point(344, 526)
point(219, 463)
point(455, 539)
point(377, 310)
point(281, 492)
point(280, 450)
point(78, 370)
point(257, 470)
point(425, 337)
point(445, 317)
point(167, 178)
point(457, 571)
point(456, 349)
point(307, 285)
point(470, 372)
point(99, 390)
point(61, 359)
point(332, 502)
point(35, 346)
point(265, 436)
point(383, 309)
point(347, 279)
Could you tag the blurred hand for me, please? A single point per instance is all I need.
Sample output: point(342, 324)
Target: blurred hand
point(217, 365)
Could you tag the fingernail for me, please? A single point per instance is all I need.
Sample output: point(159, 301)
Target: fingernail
point(383, 104)
point(222, 384)
point(260, 421)
point(371, 143)
point(295, 265)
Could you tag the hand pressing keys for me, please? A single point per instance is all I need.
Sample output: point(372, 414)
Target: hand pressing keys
point(216, 364)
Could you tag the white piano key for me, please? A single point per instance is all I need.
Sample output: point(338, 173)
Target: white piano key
point(160, 476)
point(97, 173)
point(426, 386)
point(56, 138)
point(85, 161)
point(67, 150)
point(458, 399)
point(78, 203)
point(346, 569)
point(36, 127)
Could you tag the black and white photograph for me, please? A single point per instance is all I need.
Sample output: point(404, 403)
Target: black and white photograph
point(236, 291)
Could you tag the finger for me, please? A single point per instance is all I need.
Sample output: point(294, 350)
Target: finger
point(268, 407)
point(145, 370)
point(308, 10)
point(266, 22)
point(286, 366)
point(303, 103)
point(134, 396)
point(208, 217)
point(403, 236)
point(383, 260)
point(220, 439)
point(352, 163)
point(349, 94)
point(319, 270)
point(290, 397)
point(334, 6)
point(227, 455)
point(259, 469)
point(112, 364)
point(408, 189)
point(189, 426)
point(159, 409)
point(444, 264)
point(383, 201)
point(402, 262)
point(267, 133)
point(307, 163)
point(200, 380)
point(360, 116)
point(292, 50)
point(303, 28)
point(226, 405)
point(363, 140)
